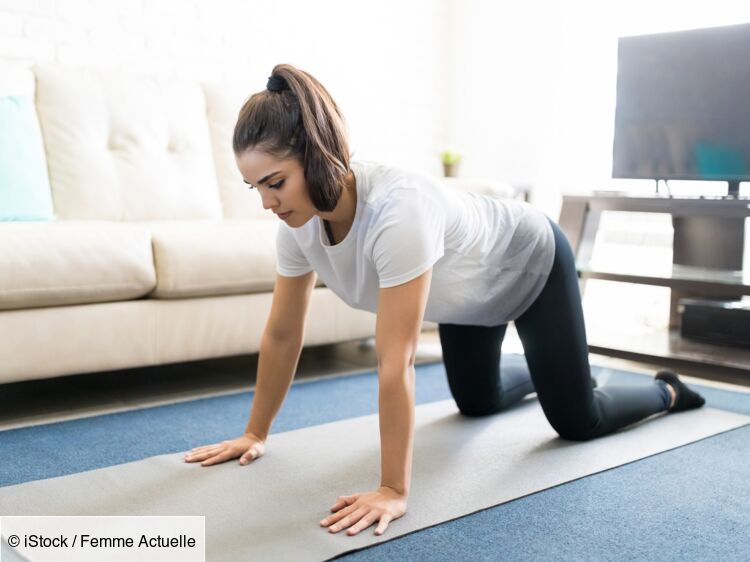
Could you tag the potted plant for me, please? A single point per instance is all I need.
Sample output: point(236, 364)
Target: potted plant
point(450, 161)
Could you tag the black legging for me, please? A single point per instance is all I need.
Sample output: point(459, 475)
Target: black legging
point(554, 341)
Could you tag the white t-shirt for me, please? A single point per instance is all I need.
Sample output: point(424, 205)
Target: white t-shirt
point(490, 257)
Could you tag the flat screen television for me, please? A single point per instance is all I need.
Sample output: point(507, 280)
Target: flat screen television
point(683, 106)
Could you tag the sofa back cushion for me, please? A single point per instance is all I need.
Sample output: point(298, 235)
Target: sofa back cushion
point(24, 187)
point(223, 104)
point(124, 146)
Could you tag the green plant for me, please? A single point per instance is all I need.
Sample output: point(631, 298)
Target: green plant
point(450, 157)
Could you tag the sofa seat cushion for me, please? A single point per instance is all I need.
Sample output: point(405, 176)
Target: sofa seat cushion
point(73, 262)
point(208, 258)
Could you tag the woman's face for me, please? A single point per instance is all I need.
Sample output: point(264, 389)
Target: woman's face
point(280, 183)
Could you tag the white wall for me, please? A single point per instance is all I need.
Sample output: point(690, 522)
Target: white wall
point(383, 62)
point(533, 95)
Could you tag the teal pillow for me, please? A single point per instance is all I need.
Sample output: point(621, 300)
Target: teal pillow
point(25, 193)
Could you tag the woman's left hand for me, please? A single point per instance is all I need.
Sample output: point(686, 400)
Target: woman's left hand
point(361, 510)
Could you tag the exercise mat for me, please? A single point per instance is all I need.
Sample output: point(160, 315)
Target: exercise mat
point(271, 509)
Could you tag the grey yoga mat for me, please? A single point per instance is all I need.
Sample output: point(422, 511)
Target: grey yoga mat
point(271, 508)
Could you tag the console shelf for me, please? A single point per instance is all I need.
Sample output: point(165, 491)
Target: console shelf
point(707, 255)
point(668, 348)
point(675, 276)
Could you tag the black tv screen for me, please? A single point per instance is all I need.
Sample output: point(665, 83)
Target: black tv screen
point(683, 105)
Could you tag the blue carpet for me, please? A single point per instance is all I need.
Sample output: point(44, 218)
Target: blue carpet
point(690, 503)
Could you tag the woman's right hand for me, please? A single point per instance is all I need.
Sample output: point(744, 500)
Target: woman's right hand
point(248, 447)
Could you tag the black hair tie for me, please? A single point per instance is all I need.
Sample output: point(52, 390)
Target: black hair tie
point(276, 84)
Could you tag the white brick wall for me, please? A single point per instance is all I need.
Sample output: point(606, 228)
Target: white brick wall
point(11, 25)
point(187, 38)
point(382, 61)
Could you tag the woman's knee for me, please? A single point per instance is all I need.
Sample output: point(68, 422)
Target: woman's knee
point(577, 431)
point(477, 410)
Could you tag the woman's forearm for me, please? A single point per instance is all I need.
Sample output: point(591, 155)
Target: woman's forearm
point(396, 408)
point(277, 363)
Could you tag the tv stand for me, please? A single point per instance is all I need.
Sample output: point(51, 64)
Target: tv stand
point(734, 189)
point(708, 248)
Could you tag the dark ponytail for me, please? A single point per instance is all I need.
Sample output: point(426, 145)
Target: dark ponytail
point(302, 122)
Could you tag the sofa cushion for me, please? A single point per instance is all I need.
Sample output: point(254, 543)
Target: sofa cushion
point(205, 258)
point(73, 262)
point(24, 186)
point(223, 103)
point(125, 147)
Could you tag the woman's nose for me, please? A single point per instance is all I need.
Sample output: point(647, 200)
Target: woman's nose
point(269, 201)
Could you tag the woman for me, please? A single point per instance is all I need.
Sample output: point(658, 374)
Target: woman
point(408, 248)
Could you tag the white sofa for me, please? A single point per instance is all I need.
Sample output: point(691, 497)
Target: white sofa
point(157, 253)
